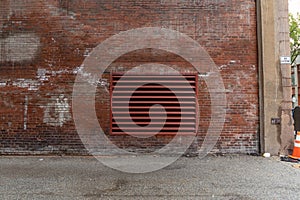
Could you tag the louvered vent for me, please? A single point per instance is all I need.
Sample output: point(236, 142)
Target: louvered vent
point(152, 90)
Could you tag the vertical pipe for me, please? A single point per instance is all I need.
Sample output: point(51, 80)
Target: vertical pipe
point(261, 133)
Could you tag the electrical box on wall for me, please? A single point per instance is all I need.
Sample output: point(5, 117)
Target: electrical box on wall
point(275, 121)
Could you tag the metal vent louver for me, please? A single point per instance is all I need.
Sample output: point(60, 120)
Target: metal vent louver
point(153, 91)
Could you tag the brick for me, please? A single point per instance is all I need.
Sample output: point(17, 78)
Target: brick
point(44, 43)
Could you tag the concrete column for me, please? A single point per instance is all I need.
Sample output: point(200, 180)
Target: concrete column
point(287, 129)
point(275, 78)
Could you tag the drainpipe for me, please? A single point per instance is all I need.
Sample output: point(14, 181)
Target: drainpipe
point(261, 132)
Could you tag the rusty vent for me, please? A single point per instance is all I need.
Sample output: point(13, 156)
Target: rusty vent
point(134, 95)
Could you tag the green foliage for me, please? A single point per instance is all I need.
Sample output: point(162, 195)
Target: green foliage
point(294, 22)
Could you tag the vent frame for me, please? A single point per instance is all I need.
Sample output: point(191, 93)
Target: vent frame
point(193, 123)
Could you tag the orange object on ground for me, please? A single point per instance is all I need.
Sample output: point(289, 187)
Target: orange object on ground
point(296, 150)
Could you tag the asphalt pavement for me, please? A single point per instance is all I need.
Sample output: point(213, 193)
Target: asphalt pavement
point(213, 177)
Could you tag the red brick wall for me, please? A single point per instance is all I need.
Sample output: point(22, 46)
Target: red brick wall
point(44, 43)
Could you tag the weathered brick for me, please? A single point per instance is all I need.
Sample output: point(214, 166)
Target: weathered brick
point(44, 43)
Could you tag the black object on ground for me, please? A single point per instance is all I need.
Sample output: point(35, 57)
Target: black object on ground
point(288, 159)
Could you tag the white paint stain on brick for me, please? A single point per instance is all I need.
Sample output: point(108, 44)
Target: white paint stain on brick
point(16, 7)
point(19, 47)
point(25, 112)
point(32, 84)
point(57, 111)
point(56, 11)
point(3, 84)
point(87, 76)
point(42, 75)
point(26, 83)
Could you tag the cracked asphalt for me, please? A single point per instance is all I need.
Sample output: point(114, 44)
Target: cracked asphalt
point(213, 177)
